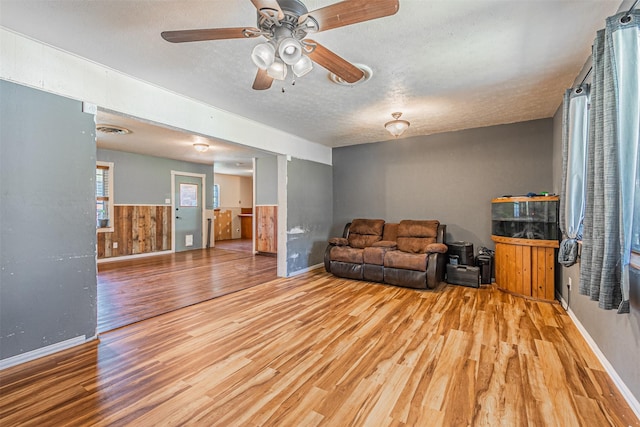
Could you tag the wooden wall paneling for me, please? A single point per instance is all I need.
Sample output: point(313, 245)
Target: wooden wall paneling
point(137, 229)
point(100, 243)
point(267, 229)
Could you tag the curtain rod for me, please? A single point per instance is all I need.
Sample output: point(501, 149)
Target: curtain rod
point(626, 15)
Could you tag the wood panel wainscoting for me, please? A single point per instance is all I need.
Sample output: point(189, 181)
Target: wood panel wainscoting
point(319, 350)
point(137, 229)
point(267, 228)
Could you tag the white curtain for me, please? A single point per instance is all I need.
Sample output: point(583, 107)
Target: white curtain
point(612, 166)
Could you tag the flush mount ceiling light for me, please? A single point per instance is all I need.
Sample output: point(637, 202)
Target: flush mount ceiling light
point(397, 127)
point(285, 24)
point(200, 147)
point(112, 130)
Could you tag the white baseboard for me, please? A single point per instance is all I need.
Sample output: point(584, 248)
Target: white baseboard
point(44, 351)
point(622, 387)
point(126, 257)
point(306, 270)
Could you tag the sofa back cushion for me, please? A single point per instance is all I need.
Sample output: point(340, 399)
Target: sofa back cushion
point(390, 232)
point(415, 236)
point(365, 232)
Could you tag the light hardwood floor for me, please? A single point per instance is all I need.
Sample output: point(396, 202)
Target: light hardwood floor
point(133, 290)
point(319, 350)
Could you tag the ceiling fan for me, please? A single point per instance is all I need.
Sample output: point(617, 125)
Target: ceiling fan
point(285, 24)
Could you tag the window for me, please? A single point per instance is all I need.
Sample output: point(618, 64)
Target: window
point(104, 196)
point(216, 196)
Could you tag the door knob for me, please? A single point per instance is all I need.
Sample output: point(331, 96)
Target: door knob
point(178, 217)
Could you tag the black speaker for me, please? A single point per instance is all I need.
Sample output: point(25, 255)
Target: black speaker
point(484, 263)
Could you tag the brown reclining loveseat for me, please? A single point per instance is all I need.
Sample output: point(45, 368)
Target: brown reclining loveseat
point(410, 253)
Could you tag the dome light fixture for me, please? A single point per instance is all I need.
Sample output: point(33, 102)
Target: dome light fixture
point(396, 127)
point(201, 147)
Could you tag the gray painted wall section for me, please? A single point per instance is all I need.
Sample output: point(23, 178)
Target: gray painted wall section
point(266, 173)
point(146, 180)
point(47, 216)
point(309, 213)
point(451, 177)
point(616, 335)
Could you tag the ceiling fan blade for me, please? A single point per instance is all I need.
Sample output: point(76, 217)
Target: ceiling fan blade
point(183, 36)
point(334, 63)
point(352, 12)
point(263, 80)
point(269, 5)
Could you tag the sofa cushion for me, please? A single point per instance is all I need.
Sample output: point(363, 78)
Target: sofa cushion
point(406, 261)
point(390, 232)
point(365, 232)
point(415, 236)
point(346, 254)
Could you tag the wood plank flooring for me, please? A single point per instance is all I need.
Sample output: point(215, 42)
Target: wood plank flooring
point(319, 350)
point(133, 290)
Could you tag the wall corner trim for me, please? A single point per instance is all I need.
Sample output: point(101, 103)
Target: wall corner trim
point(44, 351)
point(622, 387)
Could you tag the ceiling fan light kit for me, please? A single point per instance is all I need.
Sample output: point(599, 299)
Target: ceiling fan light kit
point(397, 127)
point(263, 55)
point(285, 24)
point(277, 70)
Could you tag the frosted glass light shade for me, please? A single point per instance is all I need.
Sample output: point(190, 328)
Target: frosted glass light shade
point(263, 55)
point(290, 50)
point(277, 70)
point(303, 66)
point(397, 127)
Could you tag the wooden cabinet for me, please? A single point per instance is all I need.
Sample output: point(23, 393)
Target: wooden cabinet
point(246, 226)
point(266, 228)
point(525, 230)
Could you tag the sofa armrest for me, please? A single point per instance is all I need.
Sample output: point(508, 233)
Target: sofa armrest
point(440, 248)
point(338, 241)
point(388, 244)
point(345, 232)
point(436, 266)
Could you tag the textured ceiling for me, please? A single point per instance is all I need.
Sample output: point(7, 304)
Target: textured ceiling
point(446, 64)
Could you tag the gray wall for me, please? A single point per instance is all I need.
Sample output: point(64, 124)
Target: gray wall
point(146, 180)
point(451, 177)
point(47, 220)
point(266, 173)
point(616, 335)
point(309, 213)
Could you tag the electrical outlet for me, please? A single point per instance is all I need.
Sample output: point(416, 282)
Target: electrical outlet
point(115, 245)
point(569, 284)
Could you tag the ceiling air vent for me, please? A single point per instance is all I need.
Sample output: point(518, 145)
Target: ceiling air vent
point(112, 130)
